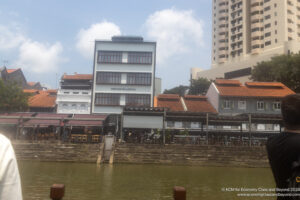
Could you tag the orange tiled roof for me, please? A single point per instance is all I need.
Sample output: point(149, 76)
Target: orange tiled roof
point(195, 103)
point(77, 77)
point(11, 70)
point(42, 100)
point(227, 82)
point(255, 89)
point(31, 91)
point(171, 101)
point(31, 83)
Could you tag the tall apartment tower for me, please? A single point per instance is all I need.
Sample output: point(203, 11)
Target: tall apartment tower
point(124, 74)
point(249, 31)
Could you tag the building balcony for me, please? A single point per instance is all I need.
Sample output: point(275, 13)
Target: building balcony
point(222, 60)
point(223, 52)
point(256, 25)
point(223, 14)
point(223, 30)
point(256, 34)
point(255, 2)
point(256, 17)
point(255, 42)
point(222, 37)
point(255, 51)
point(222, 45)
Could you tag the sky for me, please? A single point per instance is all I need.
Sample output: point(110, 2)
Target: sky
point(51, 37)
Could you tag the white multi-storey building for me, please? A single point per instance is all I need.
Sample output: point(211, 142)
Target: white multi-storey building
point(74, 95)
point(249, 31)
point(124, 74)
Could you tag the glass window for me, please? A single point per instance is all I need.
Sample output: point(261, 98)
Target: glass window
point(277, 105)
point(260, 105)
point(140, 57)
point(227, 104)
point(138, 99)
point(75, 92)
point(109, 57)
point(108, 78)
point(242, 105)
point(170, 124)
point(66, 92)
point(65, 105)
point(107, 99)
point(186, 124)
point(139, 78)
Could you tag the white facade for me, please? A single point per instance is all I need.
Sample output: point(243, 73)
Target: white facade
point(124, 74)
point(249, 31)
point(71, 101)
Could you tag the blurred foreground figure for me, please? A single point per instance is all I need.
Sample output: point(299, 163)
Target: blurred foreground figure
point(10, 185)
point(284, 150)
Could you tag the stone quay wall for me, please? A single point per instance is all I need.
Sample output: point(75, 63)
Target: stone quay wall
point(56, 151)
point(174, 154)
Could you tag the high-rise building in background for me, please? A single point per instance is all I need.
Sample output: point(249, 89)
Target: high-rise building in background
point(124, 74)
point(249, 31)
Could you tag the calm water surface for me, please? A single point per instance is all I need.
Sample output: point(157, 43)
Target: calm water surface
point(89, 182)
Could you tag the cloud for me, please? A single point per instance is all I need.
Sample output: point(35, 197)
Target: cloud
point(39, 58)
point(10, 37)
point(86, 37)
point(175, 31)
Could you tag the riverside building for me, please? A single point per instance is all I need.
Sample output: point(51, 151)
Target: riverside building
point(74, 95)
point(249, 31)
point(124, 74)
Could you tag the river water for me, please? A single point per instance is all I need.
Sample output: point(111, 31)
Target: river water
point(140, 182)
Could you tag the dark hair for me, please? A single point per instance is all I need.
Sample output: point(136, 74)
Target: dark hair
point(290, 109)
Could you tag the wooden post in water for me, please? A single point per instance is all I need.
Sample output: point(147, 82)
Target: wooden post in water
point(179, 193)
point(57, 191)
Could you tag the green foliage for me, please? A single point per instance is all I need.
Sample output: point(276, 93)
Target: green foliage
point(284, 69)
point(199, 86)
point(12, 98)
point(181, 90)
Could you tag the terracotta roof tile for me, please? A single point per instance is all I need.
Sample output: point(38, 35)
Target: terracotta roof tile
point(171, 101)
point(77, 77)
point(198, 104)
point(31, 83)
point(227, 82)
point(31, 91)
point(263, 90)
point(11, 70)
point(42, 100)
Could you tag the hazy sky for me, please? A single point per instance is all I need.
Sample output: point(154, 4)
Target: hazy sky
point(47, 38)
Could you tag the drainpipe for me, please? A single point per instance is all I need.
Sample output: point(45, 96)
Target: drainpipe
point(250, 127)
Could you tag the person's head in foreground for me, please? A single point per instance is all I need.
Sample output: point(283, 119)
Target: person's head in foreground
point(290, 109)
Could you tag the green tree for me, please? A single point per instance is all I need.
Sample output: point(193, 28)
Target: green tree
point(284, 69)
point(12, 98)
point(180, 90)
point(199, 86)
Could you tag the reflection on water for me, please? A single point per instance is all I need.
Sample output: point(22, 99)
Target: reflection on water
point(140, 182)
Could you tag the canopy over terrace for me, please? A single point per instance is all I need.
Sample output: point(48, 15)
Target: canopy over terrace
point(51, 119)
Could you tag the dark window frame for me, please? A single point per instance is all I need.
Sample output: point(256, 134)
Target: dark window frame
point(139, 78)
point(107, 99)
point(109, 78)
point(139, 58)
point(110, 56)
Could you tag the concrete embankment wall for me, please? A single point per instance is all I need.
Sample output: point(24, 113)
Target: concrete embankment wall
point(174, 154)
point(192, 155)
point(56, 151)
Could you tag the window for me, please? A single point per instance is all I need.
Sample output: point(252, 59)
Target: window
point(66, 92)
point(276, 105)
point(267, 43)
point(140, 57)
point(74, 105)
point(242, 105)
point(109, 57)
point(65, 105)
point(85, 93)
point(260, 105)
point(108, 78)
point(75, 92)
point(107, 99)
point(137, 99)
point(170, 124)
point(186, 124)
point(139, 78)
point(227, 104)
